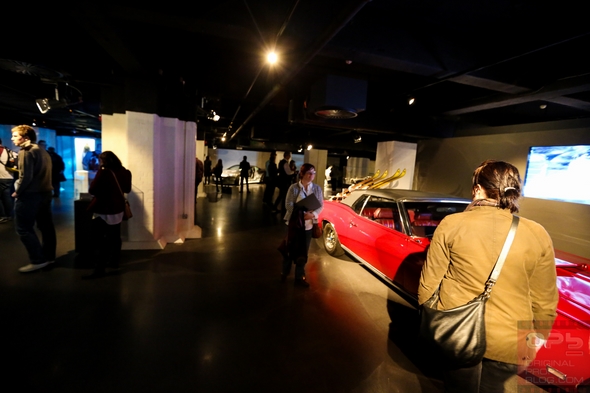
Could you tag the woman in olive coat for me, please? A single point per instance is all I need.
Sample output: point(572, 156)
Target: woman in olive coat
point(461, 256)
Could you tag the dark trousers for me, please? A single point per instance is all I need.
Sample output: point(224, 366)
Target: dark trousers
point(218, 183)
point(242, 179)
point(283, 189)
point(6, 200)
point(300, 262)
point(269, 192)
point(107, 250)
point(56, 187)
point(488, 376)
point(31, 208)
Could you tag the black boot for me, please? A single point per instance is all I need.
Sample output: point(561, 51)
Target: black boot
point(300, 282)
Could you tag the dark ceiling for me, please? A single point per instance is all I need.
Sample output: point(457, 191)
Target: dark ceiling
point(469, 64)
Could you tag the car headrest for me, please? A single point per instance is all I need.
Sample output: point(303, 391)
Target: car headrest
point(423, 216)
point(383, 212)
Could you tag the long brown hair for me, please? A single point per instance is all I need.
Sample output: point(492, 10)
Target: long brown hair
point(501, 182)
point(110, 160)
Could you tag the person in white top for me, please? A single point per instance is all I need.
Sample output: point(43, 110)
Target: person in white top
point(8, 160)
point(300, 223)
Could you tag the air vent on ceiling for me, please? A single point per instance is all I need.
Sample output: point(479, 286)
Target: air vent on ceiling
point(335, 112)
point(338, 97)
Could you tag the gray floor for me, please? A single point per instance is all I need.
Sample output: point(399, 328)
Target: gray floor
point(209, 315)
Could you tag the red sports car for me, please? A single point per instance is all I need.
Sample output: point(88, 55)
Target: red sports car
point(389, 232)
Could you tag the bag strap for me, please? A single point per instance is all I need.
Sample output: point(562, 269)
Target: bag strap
point(8, 156)
point(501, 258)
point(120, 190)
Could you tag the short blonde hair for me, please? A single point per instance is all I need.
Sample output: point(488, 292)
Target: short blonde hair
point(26, 132)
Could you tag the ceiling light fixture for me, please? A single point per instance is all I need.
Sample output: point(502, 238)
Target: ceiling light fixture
point(309, 147)
point(411, 100)
point(45, 104)
point(300, 149)
point(272, 57)
point(213, 116)
point(357, 137)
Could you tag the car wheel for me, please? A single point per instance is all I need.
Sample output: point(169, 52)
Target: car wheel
point(331, 242)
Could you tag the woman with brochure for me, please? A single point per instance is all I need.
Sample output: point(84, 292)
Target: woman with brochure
point(304, 201)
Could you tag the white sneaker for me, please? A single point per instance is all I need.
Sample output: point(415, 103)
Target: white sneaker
point(31, 267)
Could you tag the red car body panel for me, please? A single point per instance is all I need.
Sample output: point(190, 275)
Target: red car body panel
point(395, 249)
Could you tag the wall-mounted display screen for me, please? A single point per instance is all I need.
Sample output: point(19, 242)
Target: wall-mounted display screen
point(559, 173)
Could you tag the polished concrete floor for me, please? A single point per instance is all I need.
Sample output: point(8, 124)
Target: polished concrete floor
point(209, 315)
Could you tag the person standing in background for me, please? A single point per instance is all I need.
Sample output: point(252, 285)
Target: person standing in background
point(335, 178)
point(284, 181)
point(244, 174)
point(217, 171)
point(57, 171)
point(207, 170)
point(270, 178)
point(7, 170)
point(33, 200)
point(199, 170)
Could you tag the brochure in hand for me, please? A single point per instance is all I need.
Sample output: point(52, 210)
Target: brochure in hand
point(310, 203)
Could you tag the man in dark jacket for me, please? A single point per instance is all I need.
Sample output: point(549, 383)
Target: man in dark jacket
point(284, 181)
point(244, 174)
point(270, 178)
point(33, 199)
point(57, 170)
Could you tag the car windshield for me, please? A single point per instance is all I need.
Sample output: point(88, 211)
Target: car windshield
point(424, 217)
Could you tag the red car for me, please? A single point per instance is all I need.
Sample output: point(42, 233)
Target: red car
point(389, 232)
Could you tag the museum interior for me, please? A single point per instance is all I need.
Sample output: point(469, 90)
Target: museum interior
point(365, 86)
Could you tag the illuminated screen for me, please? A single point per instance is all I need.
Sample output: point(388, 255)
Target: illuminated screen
point(559, 173)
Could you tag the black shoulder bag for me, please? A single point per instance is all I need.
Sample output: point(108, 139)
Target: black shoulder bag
point(460, 333)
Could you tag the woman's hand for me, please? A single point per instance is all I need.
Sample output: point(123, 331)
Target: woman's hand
point(308, 216)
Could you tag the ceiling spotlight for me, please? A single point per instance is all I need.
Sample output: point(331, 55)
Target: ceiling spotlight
point(543, 106)
point(300, 149)
point(213, 116)
point(411, 100)
point(271, 57)
point(357, 137)
point(309, 147)
point(45, 104)
point(214, 147)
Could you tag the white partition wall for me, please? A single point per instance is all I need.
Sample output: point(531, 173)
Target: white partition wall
point(358, 167)
point(392, 156)
point(319, 159)
point(160, 153)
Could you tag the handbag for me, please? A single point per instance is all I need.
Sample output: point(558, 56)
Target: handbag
point(316, 231)
point(459, 333)
point(127, 214)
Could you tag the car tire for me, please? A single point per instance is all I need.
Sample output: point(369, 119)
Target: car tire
point(331, 242)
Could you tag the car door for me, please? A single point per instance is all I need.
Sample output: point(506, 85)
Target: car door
point(371, 233)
